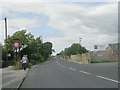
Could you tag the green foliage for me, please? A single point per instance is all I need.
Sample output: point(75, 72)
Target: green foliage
point(39, 41)
point(42, 59)
point(29, 65)
point(46, 50)
point(73, 50)
point(25, 39)
point(38, 57)
point(28, 45)
point(3, 53)
point(17, 65)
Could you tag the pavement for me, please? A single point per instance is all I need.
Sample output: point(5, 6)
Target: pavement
point(11, 78)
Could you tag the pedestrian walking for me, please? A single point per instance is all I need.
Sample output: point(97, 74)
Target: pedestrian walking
point(24, 61)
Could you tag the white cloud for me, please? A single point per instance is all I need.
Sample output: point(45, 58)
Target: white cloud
point(24, 22)
point(60, 1)
point(96, 24)
point(1, 32)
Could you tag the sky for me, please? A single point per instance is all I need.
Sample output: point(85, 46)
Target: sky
point(63, 22)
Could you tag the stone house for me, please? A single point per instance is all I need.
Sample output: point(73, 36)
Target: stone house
point(112, 52)
point(97, 56)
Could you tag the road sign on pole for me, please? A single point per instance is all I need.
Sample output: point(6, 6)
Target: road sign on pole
point(16, 43)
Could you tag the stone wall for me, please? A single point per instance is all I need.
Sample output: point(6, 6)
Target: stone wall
point(80, 58)
point(92, 57)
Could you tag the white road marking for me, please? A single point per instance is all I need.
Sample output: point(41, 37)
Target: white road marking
point(84, 72)
point(75, 61)
point(107, 79)
point(89, 73)
point(65, 67)
point(72, 69)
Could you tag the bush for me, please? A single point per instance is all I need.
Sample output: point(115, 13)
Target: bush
point(17, 65)
point(29, 65)
point(42, 59)
point(39, 58)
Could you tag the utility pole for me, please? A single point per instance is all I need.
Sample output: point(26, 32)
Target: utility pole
point(6, 40)
point(80, 40)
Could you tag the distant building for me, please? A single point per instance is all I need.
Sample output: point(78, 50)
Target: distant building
point(109, 54)
point(112, 52)
point(99, 47)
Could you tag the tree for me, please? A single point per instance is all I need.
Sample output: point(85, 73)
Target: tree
point(73, 50)
point(39, 41)
point(46, 49)
point(25, 41)
point(28, 46)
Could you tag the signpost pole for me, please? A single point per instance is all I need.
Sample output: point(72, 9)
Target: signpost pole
point(16, 54)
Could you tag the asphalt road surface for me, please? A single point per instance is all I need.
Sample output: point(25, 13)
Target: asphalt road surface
point(56, 73)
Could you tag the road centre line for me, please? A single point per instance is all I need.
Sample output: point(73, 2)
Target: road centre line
point(90, 73)
point(64, 66)
point(107, 79)
point(72, 69)
point(84, 72)
point(75, 62)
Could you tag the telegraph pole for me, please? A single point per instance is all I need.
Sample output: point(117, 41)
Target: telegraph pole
point(80, 40)
point(6, 40)
point(6, 28)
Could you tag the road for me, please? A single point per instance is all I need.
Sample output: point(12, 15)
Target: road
point(56, 73)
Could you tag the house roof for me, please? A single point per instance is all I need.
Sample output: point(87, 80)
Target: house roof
point(114, 47)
